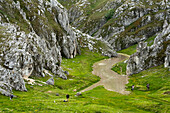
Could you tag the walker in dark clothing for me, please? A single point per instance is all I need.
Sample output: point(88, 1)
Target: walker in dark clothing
point(67, 96)
point(11, 96)
point(147, 86)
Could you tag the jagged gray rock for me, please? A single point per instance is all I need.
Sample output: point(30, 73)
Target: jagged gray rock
point(95, 44)
point(11, 79)
point(27, 51)
point(132, 20)
point(167, 58)
point(147, 57)
point(34, 37)
point(50, 81)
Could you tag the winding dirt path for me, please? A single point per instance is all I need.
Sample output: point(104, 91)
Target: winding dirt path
point(109, 79)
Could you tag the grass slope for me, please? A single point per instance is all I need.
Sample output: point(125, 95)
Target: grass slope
point(44, 99)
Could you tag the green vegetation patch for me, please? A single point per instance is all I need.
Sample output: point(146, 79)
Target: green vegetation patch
point(151, 40)
point(120, 68)
point(80, 69)
point(157, 77)
point(109, 14)
point(130, 50)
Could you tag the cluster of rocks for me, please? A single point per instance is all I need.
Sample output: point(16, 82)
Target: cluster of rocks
point(95, 44)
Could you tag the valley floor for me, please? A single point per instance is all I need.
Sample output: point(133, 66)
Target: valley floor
point(43, 98)
point(110, 80)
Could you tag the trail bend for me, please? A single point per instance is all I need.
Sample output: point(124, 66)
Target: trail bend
point(111, 80)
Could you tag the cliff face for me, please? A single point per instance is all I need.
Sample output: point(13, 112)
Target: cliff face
point(155, 55)
point(34, 36)
point(135, 21)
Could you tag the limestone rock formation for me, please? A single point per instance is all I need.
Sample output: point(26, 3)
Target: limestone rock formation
point(34, 36)
point(167, 58)
point(95, 44)
point(147, 57)
point(121, 23)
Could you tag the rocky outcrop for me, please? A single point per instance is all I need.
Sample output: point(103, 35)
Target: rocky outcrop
point(9, 80)
point(167, 58)
point(34, 37)
point(121, 23)
point(86, 17)
point(134, 21)
point(95, 44)
point(155, 55)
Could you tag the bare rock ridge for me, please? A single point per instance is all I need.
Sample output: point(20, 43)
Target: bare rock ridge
point(34, 36)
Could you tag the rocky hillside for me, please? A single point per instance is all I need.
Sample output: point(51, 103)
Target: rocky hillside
point(34, 36)
point(150, 56)
point(123, 23)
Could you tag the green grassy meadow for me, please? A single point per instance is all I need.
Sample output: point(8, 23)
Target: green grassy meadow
point(43, 99)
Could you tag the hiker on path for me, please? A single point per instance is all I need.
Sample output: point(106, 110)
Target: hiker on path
point(147, 86)
point(133, 87)
point(67, 97)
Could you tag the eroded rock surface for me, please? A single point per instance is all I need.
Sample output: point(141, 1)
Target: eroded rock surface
point(147, 57)
point(121, 23)
point(34, 36)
